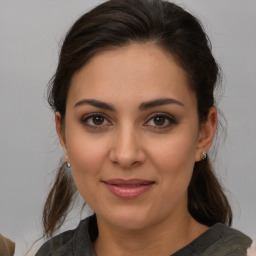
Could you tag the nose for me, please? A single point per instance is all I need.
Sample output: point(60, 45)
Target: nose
point(127, 150)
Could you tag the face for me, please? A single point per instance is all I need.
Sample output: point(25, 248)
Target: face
point(132, 136)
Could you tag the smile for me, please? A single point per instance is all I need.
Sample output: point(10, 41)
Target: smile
point(128, 189)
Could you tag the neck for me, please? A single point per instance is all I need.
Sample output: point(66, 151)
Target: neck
point(163, 238)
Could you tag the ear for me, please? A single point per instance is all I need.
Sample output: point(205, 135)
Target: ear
point(206, 134)
point(61, 134)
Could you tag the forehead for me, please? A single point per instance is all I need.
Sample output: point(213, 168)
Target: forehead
point(136, 71)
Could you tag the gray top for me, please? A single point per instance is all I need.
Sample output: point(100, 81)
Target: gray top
point(218, 240)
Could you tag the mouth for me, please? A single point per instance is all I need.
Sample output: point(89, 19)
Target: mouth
point(128, 189)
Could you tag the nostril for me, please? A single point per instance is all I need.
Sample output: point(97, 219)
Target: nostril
point(136, 163)
point(126, 160)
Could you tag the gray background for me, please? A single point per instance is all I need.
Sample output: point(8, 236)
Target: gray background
point(30, 33)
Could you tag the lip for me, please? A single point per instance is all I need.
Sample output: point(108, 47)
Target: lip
point(128, 189)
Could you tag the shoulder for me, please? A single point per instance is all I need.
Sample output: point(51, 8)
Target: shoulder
point(70, 243)
point(58, 245)
point(227, 241)
point(218, 240)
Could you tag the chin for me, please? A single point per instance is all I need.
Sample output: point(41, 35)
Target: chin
point(128, 220)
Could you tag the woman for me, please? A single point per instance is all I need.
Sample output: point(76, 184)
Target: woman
point(135, 115)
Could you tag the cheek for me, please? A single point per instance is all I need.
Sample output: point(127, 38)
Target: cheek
point(174, 159)
point(87, 159)
point(175, 152)
point(86, 155)
point(175, 163)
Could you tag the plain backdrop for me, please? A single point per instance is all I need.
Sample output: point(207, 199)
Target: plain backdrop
point(30, 36)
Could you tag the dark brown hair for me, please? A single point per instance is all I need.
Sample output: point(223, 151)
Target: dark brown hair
point(117, 23)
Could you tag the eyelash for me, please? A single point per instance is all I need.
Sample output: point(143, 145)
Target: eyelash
point(85, 121)
point(170, 119)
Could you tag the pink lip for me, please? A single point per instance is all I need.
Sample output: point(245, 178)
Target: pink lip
point(128, 189)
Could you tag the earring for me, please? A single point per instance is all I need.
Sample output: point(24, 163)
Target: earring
point(68, 164)
point(204, 155)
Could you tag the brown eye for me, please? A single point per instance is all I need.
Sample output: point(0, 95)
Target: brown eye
point(98, 120)
point(95, 121)
point(159, 120)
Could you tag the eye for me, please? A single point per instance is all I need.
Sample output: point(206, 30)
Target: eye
point(95, 121)
point(160, 121)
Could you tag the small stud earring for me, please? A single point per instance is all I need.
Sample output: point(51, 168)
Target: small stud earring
point(204, 155)
point(68, 164)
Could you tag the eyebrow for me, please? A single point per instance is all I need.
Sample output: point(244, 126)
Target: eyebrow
point(159, 102)
point(143, 106)
point(95, 103)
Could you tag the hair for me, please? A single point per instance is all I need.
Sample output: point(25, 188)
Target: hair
point(117, 23)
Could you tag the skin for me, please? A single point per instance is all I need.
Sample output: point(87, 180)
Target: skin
point(128, 143)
